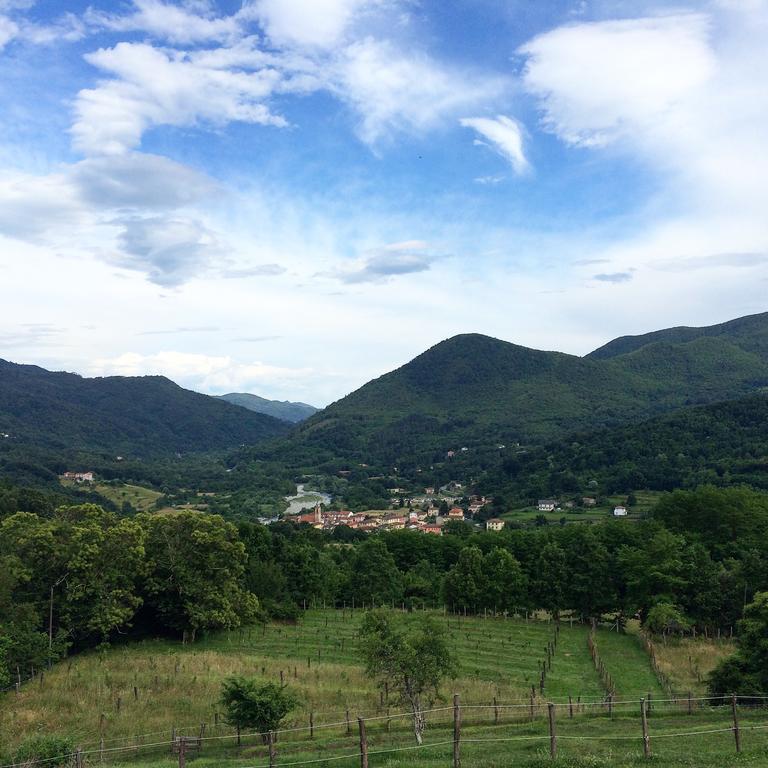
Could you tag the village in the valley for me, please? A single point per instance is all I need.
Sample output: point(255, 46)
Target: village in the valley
point(429, 512)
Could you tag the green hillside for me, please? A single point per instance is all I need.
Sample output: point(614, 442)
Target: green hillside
point(474, 391)
point(121, 705)
point(135, 416)
point(721, 444)
point(280, 409)
point(749, 333)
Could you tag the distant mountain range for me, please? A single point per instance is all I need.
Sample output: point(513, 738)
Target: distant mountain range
point(141, 416)
point(473, 390)
point(280, 409)
point(470, 391)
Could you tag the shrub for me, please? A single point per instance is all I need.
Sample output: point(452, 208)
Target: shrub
point(54, 750)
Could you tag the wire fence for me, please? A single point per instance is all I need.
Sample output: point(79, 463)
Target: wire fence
point(358, 739)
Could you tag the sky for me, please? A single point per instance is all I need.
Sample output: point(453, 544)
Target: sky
point(291, 197)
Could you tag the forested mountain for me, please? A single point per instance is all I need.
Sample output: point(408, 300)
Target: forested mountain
point(280, 409)
point(473, 390)
point(720, 444)
point(135, 416)
point(748, 333)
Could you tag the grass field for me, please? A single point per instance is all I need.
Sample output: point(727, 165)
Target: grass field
point(645, 501)
point(177, 686)
point(141, 499)
point(688, 662)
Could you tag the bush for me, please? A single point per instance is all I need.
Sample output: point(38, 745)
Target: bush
point(54, 750)
point(251, 705)
point(284, 611)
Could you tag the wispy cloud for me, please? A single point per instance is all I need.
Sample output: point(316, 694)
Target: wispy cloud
point(613, 277)
point(258, 270)
point(182, 329)
point(504, 135)
point(387, 262)
point(713, 261)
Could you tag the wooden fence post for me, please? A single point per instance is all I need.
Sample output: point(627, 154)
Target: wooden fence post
point(349, 725)
point(690, 703)
point(79, 758)
point(271, 742)
point(736, 731)
point(570, 706)
point(456, 731)
point(311, 725)
point(552, 731)
point(101, 749)
point(646, 738)
point(363, 744)
point(495, 711)
point(182, 750)
point(173, 739)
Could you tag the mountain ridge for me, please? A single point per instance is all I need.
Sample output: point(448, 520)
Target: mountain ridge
point(471, 389)
point(285, 410)
point(141, 415)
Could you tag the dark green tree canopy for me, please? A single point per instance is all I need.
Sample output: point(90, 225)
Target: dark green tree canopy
point(255, 706)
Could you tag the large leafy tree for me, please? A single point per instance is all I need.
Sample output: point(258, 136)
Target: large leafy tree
point(746, 672)
point(375, 579)
point(413, 657)
point(507, 584)
point(549, 578)
point(466, 583)
point(195, 570)
point(100, 558)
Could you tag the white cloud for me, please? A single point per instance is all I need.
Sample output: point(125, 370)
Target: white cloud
point(505, 136)
point(313, 23)
point(153, 86)
point(382, 264)
point(32, 206)
point(208, 373)
point(136, 180)
point(600, 80)
point(685, 96)
point(185, 23)
point(136, 211)
point(170, 250)
point(393, 90)
point(8, 30)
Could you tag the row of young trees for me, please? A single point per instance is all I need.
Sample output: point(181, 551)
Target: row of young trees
point(79, 575)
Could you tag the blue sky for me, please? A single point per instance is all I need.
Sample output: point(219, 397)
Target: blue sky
point(290, 197)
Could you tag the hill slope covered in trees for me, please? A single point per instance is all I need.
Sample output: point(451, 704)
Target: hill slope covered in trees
point(473, 390)
point(280, 409)
point(138, 416)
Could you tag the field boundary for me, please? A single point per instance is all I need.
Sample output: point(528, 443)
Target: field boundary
point(744, 714)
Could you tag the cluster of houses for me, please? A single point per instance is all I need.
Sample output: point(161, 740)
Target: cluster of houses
point(551, 505)
point(426, 520)
point(78, 477)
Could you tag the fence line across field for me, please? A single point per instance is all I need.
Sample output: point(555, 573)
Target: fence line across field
point(498, 707)
point(181, 744)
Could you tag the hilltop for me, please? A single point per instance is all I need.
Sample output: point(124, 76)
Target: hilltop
point(474, 390)
point(145, 416)
point(285, 410)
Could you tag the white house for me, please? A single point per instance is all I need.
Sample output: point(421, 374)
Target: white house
point(494, 524)
point(547, 505)
point(620, 511)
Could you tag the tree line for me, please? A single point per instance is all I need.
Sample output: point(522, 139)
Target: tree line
point(75, 576)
